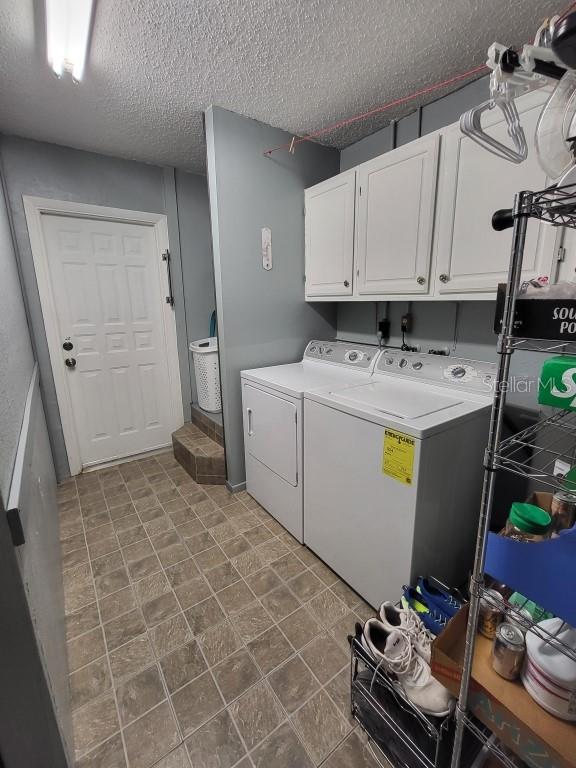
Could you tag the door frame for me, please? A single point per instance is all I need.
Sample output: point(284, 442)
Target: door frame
point(34, 208)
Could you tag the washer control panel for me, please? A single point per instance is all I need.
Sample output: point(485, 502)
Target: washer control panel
point(342, 353)
point(472, 375)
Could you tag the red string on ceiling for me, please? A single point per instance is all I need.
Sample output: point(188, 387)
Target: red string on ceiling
point(395, 103)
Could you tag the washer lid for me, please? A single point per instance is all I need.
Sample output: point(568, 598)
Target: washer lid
point(396, 399)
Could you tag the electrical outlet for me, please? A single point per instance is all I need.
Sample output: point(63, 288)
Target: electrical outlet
point(384, 328)
point(406, 322)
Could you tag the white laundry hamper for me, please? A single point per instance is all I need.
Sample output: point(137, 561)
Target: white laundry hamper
point(205, 356)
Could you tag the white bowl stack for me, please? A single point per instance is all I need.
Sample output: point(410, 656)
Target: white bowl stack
point(548, 674)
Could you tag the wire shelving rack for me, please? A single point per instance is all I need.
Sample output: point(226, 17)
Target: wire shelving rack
point(552, 438)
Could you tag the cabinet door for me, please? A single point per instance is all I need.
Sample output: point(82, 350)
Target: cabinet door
point(396, 195)
point(474, 183)
point(330, 236)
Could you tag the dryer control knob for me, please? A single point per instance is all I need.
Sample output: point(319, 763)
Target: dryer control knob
point(353, 356)
point(458, 372)
point(403, 362)
point(417, 365)
point(388, 360)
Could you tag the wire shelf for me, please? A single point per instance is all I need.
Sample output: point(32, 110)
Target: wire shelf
point(533, 452)
point(433, 726)
point(404, 735)
point(524, 344)
point(513, 614)
point(556, 205)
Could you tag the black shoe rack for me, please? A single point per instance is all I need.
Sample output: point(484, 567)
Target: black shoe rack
point(399, 733)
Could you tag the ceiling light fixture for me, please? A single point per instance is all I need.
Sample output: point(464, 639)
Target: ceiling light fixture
point(68, 25)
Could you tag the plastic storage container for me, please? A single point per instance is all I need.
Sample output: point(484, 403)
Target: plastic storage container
point(207, 372)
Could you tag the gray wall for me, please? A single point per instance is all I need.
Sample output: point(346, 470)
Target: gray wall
point(196, 255)
point(16, 357)
point(32, 591)
point(433, 116)
point(262, 316)
point(48, 170)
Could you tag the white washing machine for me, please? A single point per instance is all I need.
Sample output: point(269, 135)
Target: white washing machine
point(273, 421)
point(394, 470)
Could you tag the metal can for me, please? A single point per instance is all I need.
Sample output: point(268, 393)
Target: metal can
point(508, 651)
point(491, 610)
point(563, 510)
point(516, 619)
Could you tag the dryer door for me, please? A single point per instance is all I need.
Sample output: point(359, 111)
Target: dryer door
point(271, 431)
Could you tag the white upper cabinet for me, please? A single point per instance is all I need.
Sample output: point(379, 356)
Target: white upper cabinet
point(471, 256)
point(416, 222)
point(395, 203)
point(329, 233)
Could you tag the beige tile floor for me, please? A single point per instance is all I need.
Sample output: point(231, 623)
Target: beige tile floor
point(200, 633)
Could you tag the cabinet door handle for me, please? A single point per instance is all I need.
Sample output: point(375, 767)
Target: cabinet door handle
point(420, 280)
point(249, 414)
point(346, 284)
point(444, 278)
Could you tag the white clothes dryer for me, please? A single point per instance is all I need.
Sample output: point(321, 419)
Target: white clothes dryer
point(273, 421)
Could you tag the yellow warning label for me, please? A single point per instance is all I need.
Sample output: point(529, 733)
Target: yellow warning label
point(398, 456)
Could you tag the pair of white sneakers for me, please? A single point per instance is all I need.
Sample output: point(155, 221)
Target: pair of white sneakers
point(401, 644)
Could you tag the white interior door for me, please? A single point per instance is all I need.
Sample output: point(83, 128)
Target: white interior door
point(330, 236)
point(396, 194)
point(107, 284)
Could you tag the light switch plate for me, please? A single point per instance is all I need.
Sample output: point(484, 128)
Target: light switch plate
point(266, 248)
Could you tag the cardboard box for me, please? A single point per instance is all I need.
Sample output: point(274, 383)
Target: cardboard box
point(541, 499)
point(538, 738)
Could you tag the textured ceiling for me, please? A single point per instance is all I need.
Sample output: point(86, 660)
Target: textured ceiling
point(155, 65)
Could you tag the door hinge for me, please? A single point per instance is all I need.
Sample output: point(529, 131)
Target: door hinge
point(561, 253)
point(15, 526)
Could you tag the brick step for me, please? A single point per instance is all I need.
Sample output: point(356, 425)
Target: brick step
point(202, 457)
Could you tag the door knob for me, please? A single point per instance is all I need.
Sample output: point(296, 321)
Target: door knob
point(444, 278)
point(67, 346)
point(346, 283)
point(420, 280)
point(70, 362)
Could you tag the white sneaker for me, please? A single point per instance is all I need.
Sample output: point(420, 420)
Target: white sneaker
point(396, 653)
point(406, 620)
